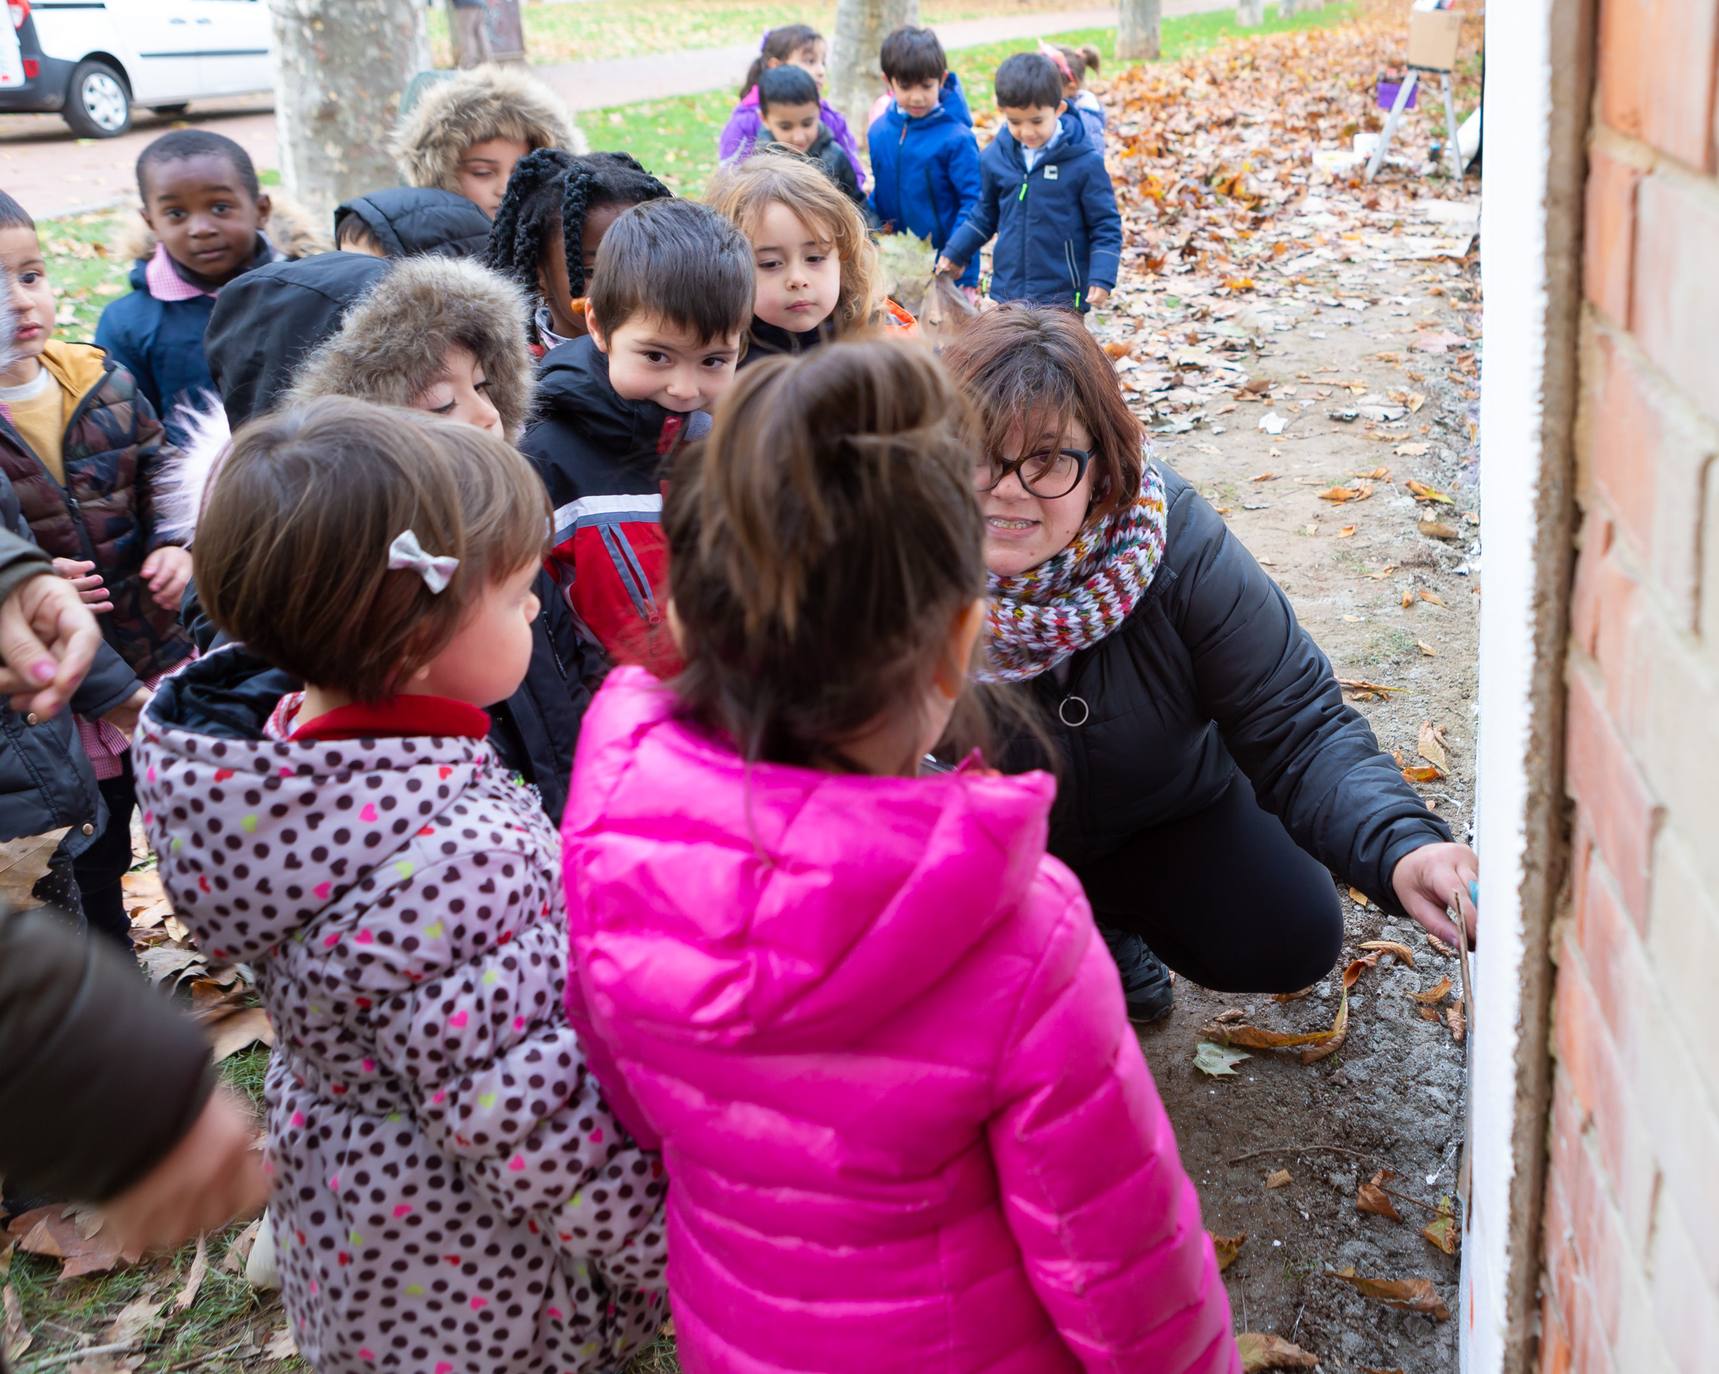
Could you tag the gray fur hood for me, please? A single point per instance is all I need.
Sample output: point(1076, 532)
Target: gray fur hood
point(392, 341)
point(473, 107)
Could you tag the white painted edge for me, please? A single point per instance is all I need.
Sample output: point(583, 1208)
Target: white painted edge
point(1514, 218)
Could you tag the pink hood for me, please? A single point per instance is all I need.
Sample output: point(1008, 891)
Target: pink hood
point(906, 1122)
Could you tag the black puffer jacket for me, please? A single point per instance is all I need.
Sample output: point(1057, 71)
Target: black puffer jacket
point(45, 778)
point(411, 220)
point(1211, 672)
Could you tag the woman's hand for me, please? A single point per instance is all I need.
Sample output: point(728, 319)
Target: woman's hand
point(1426, 879)
point(48, 640)
point(210, 1177)
point(1098, 297)
point(82, 575)
point(167, 570)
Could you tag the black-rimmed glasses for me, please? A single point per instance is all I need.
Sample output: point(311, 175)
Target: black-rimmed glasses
point(1046, 475)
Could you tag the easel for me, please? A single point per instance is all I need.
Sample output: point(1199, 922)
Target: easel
point(1433, 38)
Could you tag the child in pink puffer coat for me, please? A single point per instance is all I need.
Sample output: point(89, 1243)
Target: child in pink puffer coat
point(870, 1023)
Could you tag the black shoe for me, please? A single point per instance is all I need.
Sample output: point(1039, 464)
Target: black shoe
point(1146, 988)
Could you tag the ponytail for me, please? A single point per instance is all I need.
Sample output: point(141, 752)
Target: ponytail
point(780, 44)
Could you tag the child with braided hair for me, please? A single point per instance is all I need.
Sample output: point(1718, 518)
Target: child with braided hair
point(557, 208)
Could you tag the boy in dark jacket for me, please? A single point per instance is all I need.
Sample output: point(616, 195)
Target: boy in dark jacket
point(924, 159)
point(670, 300)
point(1045, 195)
point(788, 109)
point(207, 212)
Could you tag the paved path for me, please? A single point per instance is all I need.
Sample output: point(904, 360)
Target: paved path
point(52, 173)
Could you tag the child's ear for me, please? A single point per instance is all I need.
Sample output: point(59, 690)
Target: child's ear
point(265, 207)
point(596, 332)
point(957, 662)
point(1061, 108)
point(143, 214)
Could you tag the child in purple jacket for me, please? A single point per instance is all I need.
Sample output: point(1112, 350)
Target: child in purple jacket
point(794, 45)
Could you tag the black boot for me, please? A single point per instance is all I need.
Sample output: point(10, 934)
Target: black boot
point(1146, 989)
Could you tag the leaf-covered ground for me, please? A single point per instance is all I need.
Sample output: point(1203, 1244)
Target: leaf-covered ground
point(1304, 347)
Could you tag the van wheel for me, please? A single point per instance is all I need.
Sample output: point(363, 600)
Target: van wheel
point(97, 103)
point(169, 111)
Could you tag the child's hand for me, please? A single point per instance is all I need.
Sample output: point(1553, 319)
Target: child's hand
point(945, 268)
point(1097, 297)
point(167, 570)
point(972, 294)
point(92, 591)
point(210, 1177)
point(124, 716)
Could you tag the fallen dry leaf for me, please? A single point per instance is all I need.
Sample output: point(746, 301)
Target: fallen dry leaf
point(54, 1233)
point(1263, 477)
point(194, 1277)
point(1403, 953)
point(1422, 773)
point(1437, 341)
point(1379, 1369)
point(1361, 688)
point(1406, 1295)
point(15, 1337)
point(1433, 597)
point(1314, 1045)
point(1441, 1231)
point(1227, 1248)
point(135, 1318)
point(1454, 1019)
point(1347, 532)
point(1383, 572)
point(1372, 1198)
point(1436, 529)
point(1426, 648)
point(1436, 993)
point(1420, 490)
point(1416, 450)
point(1359, 898)
point(239, 1030)
point(1338, 495)
point(1375, 475)
point(1449, 951)
point(1118, 348)
point(1278, 1178)
point(1429, 744)
point(239, 1248)
point(281, 1345)
point(1216, 1060)
point(1261, 1352)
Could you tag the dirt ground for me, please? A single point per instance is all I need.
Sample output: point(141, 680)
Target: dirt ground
point(1348, 317)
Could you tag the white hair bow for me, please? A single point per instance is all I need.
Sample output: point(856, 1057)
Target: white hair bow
point(436, 570)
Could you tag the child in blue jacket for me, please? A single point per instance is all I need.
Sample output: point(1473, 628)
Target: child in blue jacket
point(1045, 195)
point(924, 158)
point(207, 212)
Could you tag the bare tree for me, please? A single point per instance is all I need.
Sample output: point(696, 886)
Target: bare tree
point(855, 77)
point(1250, 13)
point(1137, 30)
point(340, 66)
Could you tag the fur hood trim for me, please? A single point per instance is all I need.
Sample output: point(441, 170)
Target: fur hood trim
point(290, 228)
point(207, 436)
point(473, 107)
point(392, 341)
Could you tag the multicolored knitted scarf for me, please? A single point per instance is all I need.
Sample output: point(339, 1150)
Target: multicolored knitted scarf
point(1074, 599)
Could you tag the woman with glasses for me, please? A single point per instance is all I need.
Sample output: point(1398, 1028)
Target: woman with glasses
point(1211, 777)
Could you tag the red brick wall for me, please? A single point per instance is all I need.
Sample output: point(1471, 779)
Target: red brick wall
point(1631, 1238)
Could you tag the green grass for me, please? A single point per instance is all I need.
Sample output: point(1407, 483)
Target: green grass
point(84, 274)
point(225, 1312)
point(592, 30)
point(676, 138)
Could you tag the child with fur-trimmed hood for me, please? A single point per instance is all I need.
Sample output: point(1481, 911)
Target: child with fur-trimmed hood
point(447, 336)
point(465, 134)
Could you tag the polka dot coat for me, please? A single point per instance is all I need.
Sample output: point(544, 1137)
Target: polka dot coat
point(453, 1194)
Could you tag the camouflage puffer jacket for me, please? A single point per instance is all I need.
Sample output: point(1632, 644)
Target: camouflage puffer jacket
point(115, 463)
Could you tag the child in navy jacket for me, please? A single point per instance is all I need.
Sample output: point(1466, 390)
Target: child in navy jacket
point(924, 159)
point(1046, 196)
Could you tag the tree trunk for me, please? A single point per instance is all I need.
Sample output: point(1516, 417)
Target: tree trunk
point(1137, 30)
point(855, 77)
point(1250, 13)
point(1286, 9)
point(340, 66)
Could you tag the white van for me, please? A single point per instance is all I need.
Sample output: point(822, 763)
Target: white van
point(93, 60)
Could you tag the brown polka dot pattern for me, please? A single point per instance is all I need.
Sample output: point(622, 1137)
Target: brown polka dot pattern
point(453, 1195)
